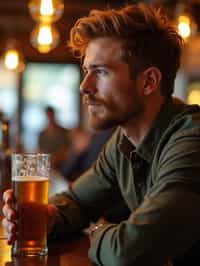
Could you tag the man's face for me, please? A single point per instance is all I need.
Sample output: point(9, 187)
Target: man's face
point(112, 96)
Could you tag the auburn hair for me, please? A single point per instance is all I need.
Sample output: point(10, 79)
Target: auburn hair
point(148, 38)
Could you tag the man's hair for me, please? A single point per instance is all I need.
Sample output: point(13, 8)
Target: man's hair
point(148, 39)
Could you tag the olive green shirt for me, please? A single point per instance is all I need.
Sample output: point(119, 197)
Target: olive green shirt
point(159, 181)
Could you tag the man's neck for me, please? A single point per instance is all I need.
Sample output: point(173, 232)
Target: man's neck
point(138, 127)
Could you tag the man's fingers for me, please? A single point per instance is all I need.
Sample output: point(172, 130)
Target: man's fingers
point(9, 213)
point(8, 196)
point(10, 227)
point(10, 231)
point(10, 216)
point(11, 238)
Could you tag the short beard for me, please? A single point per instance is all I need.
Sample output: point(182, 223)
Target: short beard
point(98, 124)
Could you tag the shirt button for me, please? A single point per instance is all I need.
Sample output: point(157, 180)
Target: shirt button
point(139, 184)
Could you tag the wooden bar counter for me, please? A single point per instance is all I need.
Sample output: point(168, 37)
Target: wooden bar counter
point(61, 253)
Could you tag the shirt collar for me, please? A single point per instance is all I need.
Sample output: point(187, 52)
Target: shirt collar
point(147, 147)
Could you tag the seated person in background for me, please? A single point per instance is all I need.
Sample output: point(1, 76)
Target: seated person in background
point(130, 58)
point(80, 138)
point(54, 139)
point(85, 152)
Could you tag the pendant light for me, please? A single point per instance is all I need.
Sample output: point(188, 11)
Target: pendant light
point(12, 57)
point(46, 10)
point(184, 21)
point(44, 37)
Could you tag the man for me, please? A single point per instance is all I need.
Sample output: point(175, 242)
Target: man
point(130, 59)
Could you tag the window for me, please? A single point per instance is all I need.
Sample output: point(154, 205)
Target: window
point(9, 98)
point(51, 84)
point(8, 92)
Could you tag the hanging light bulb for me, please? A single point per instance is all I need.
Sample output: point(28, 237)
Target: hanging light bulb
point(13, 58)
point(184, 26)
point(46, 10)
point(44, 37)
point(184, 21)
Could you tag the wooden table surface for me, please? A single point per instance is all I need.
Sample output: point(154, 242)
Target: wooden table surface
point(61, 253)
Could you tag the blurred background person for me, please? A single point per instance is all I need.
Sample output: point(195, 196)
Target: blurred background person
point(54, 139)
point(86, 147)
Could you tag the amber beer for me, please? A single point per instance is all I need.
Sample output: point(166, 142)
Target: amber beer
point(32, 198)
point(31, 194)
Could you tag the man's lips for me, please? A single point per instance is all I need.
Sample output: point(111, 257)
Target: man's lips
point(91, 102)
point(93, 105)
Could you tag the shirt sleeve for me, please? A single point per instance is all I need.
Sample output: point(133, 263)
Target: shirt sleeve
point(166, 224)
point(89, 197)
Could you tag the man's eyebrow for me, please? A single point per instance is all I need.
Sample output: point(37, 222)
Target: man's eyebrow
point(94, 66)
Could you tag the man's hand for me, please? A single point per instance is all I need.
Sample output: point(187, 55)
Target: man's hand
point(101, 222)
point(94, 227)
point(10, 216)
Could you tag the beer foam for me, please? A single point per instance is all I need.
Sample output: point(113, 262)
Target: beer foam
point(29, 178)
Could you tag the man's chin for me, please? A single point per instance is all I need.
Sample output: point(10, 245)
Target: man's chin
point(98, 124)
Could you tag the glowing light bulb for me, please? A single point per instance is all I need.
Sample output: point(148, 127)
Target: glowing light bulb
point(184, 27)
point(11, 59)
point(44, 37)
point(46, 10)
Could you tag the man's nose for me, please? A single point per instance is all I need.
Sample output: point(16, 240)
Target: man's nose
point(88, 85)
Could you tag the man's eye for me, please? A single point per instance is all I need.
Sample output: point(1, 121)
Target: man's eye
point(101, 71)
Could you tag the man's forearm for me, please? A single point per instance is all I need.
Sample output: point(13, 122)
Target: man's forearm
point(68, 218)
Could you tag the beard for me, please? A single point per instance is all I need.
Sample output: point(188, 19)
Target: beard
point(108, 113)
point(98, 123)
point(103, 116)
point(99, 117)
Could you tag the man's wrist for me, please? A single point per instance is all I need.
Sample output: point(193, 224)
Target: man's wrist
point(95, 228)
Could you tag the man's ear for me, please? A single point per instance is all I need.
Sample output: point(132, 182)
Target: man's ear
point(152, 78)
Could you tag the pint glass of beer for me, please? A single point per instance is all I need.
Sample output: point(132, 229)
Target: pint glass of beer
point(30, 180)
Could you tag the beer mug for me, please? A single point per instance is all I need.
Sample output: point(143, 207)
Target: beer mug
point(30, 181)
